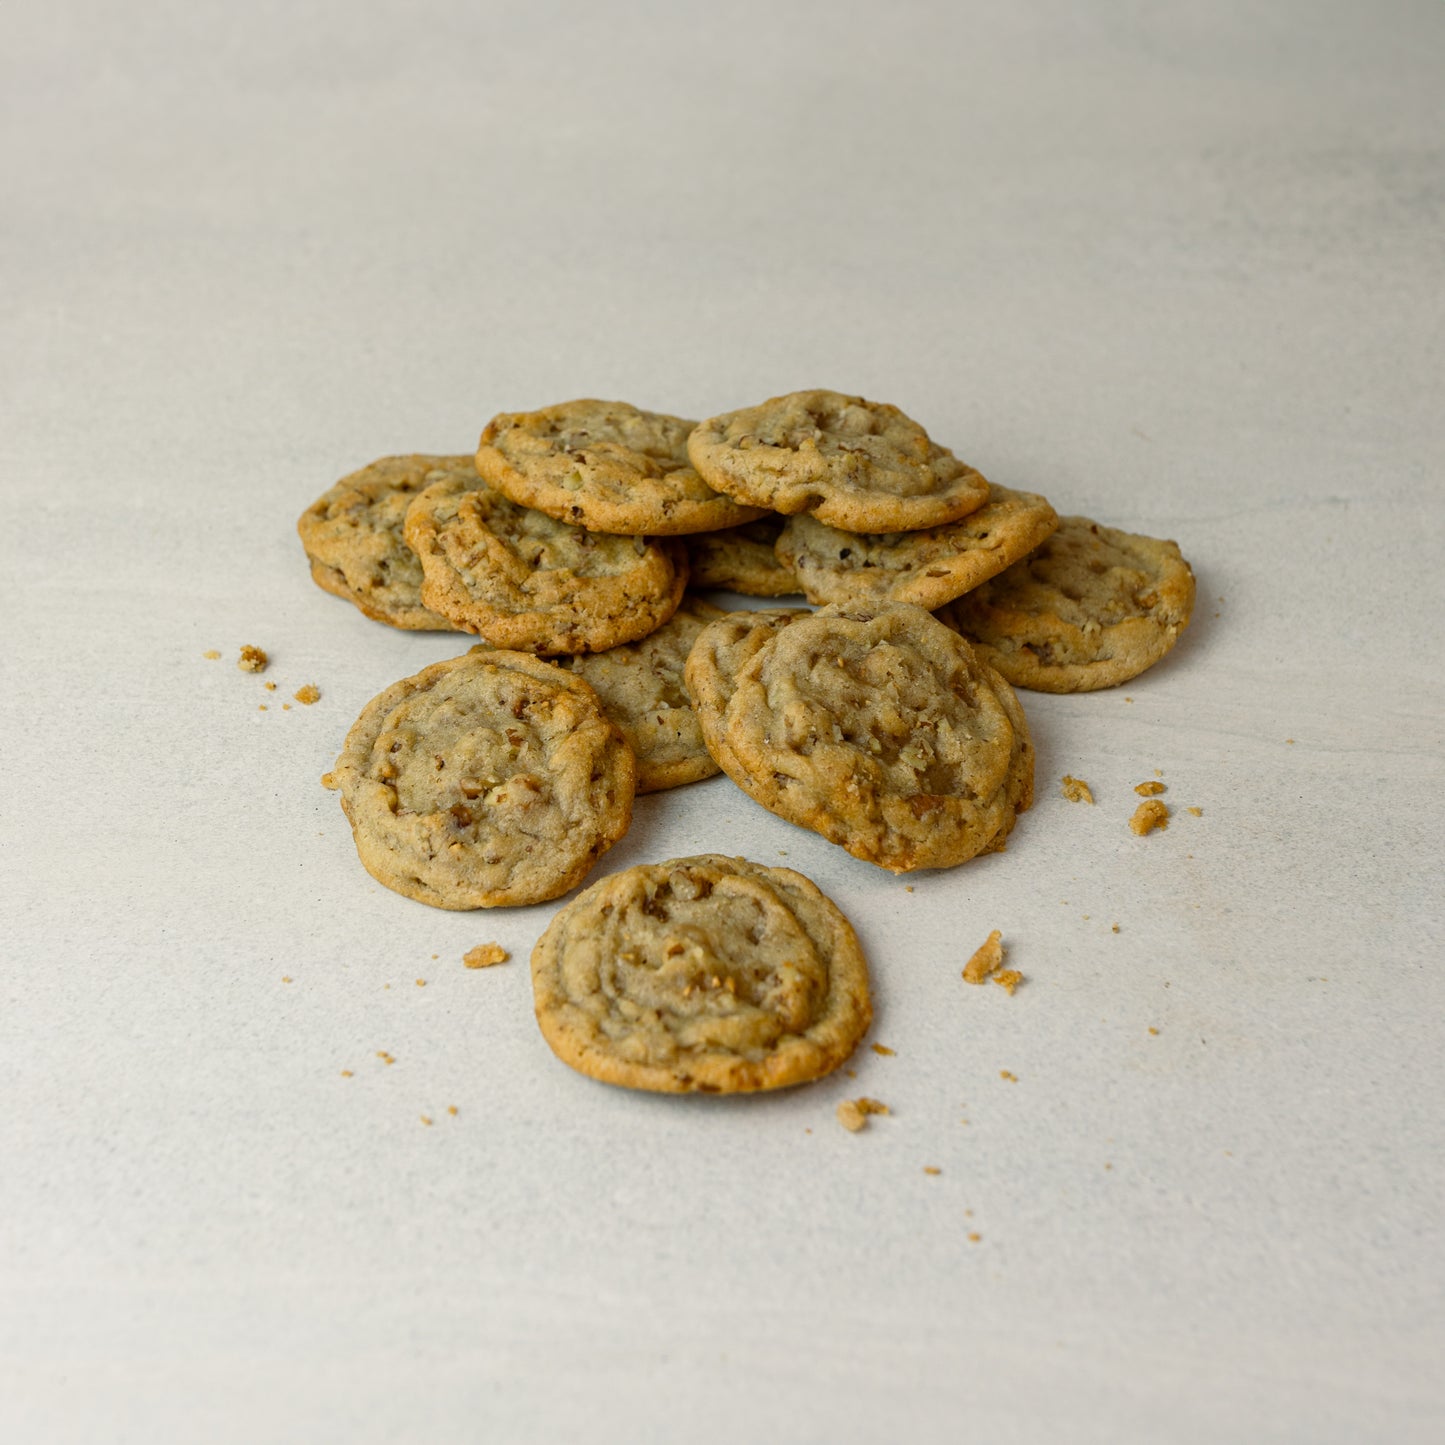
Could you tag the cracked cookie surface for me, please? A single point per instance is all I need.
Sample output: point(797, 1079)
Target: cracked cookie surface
point(856, 464)
point(524, 580)
point(352, 534)
point(492, 779)
point(1091, 608)
point(641, 688)
point(927, 567)
point(742, 559)
point(872, 726)
point(607, 466)
point(705, 974)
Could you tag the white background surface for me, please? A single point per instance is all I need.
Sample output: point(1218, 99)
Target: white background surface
point(1176, 267)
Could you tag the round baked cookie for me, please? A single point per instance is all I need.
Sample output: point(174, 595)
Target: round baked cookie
point(1091, 608)
point(741, 559)
point(353, 535)
point(705, 974)
point(928, 567)
point(870, 725)
point(606, 466)
point(642, 691)
point(492, 779)
point(524, 580)
point(860, 465)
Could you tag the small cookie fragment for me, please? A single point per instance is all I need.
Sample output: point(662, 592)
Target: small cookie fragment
point(987, 958)
point(308, 694)
point(253, 659)
point(1195, 812)
point(1149, 816)
point(1008, 978)
point(853, 1113)
point(1149, 790)
point(484, 955)
point(211, 654)
point(705, 974)
point(1076, 790)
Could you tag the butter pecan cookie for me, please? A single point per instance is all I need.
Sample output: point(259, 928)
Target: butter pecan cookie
point(488, 780)
point(870, 725)
point(705, 974)
point(642, 691)
point(928, 567)
point(742, 559)
point(353, 535)
point(860, 465)
point(606, 466)
point(1091, 608)
point(524, 580)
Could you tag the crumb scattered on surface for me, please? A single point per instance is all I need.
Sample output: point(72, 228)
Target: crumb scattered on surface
point(285, 978)
point(1149, 790)
point(1148, 816)
point(1289, 740)
point(1008, 1074)
point(1152, 1029)
point(987, 958)
point(850, 1116)
point(308, 694)
point(908, 888)
point(974, 1238)
point(426, 1119)
point(385, 1057)
point(346, 1074)
point(262, 707)
point(1197, 812)
point(211, 654)
point(929, 1169)
point(852, 1073)
point(435, 956)
point(484, 955)
point(884, 1050)
point(1076, 790)
point(1009, 978)
point(270, 687)
point(285, 707)
point(452, 1110)
point(253, 659)
point(1128, 699)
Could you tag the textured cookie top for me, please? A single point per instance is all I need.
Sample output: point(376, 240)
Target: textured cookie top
point(871, 726)
point(524, 580)
point(642, 691)
point(860, 465)
point(353, 536)
point(494, 778)
point(742, 559)
point(606, 466)
point(928, 567)
point(1092, 607)
point(706, 974)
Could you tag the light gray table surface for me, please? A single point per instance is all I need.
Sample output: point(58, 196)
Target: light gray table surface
point(1177, 267)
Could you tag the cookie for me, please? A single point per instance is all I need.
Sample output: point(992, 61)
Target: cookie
point(492, 779)
point(353, 535)
point(524, 580)
point(705, 974)
point(860, 465)
point(928, 567)
point(642, 691)
point(872, 726)
point(742, 559)
point(1091, 608)
point(606, 466)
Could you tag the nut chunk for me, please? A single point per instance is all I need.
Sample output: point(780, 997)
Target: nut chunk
point(705, 974)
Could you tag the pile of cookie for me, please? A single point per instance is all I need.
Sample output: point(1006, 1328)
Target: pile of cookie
point(885, 720)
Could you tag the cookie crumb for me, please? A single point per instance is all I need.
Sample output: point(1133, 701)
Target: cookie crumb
point(1290, 741)
point(285, 707)
point(974, 1238)
point(452, 1110)
point(1148, 816)
point(269, 686)
point(426, 1119)
point(1128, 699)
point(484, 955)
point(253, 659)
point(1153, 1030)
point(1009, 978)
point(884, 1050)
point(262, 708)
point(929, 1169)
point(1076, 790)
point(308, 694)
point(347, 1074)
point(1149, 790)
point(1008, 1074)
point(421, 983)
point(850, 1116)
point(908, 888)
point(210, 654)
point(987, 959)
point(285, 978)
point(1113, 928)
point(328, 781)
point(385, 1057)
point(1196, 812)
